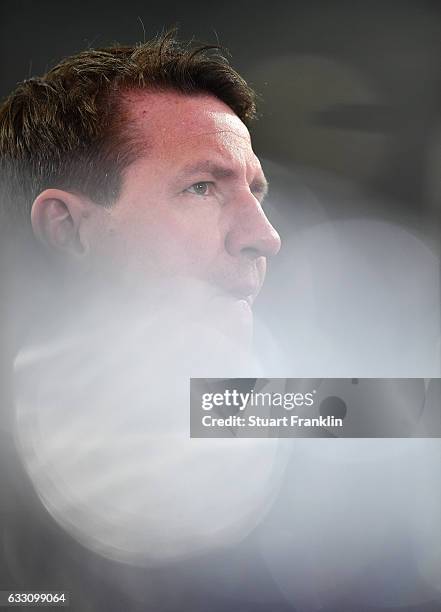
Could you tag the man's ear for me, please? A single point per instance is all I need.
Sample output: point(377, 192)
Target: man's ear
point(57, 218)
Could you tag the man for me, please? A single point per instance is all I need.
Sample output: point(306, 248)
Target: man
point(133, 169)
point(137, 161)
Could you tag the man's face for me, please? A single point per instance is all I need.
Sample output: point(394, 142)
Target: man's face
point(190, 208)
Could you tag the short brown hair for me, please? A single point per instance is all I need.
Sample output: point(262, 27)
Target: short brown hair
point(68, 129)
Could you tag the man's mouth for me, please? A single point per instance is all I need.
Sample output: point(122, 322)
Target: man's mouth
point(246, 293)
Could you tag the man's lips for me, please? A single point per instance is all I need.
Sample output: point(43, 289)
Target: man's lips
point(244, 284)
point(246, 292)
point(249, 299)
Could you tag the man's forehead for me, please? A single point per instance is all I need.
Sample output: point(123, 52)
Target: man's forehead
point(176, 117)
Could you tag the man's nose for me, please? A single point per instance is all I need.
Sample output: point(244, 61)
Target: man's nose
point(250, 232)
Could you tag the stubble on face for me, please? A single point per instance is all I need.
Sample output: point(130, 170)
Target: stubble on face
point(190, 209)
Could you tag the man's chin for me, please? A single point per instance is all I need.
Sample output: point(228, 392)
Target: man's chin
point(233, 317)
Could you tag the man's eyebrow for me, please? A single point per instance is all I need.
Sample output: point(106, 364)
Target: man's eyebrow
point(216, 170)
point(258, 185)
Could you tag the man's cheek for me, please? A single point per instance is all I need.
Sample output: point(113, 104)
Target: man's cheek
point(177, 253)
point(196, 250)
point(162, 242)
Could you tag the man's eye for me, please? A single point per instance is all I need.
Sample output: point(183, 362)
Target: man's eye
point(200, 189)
